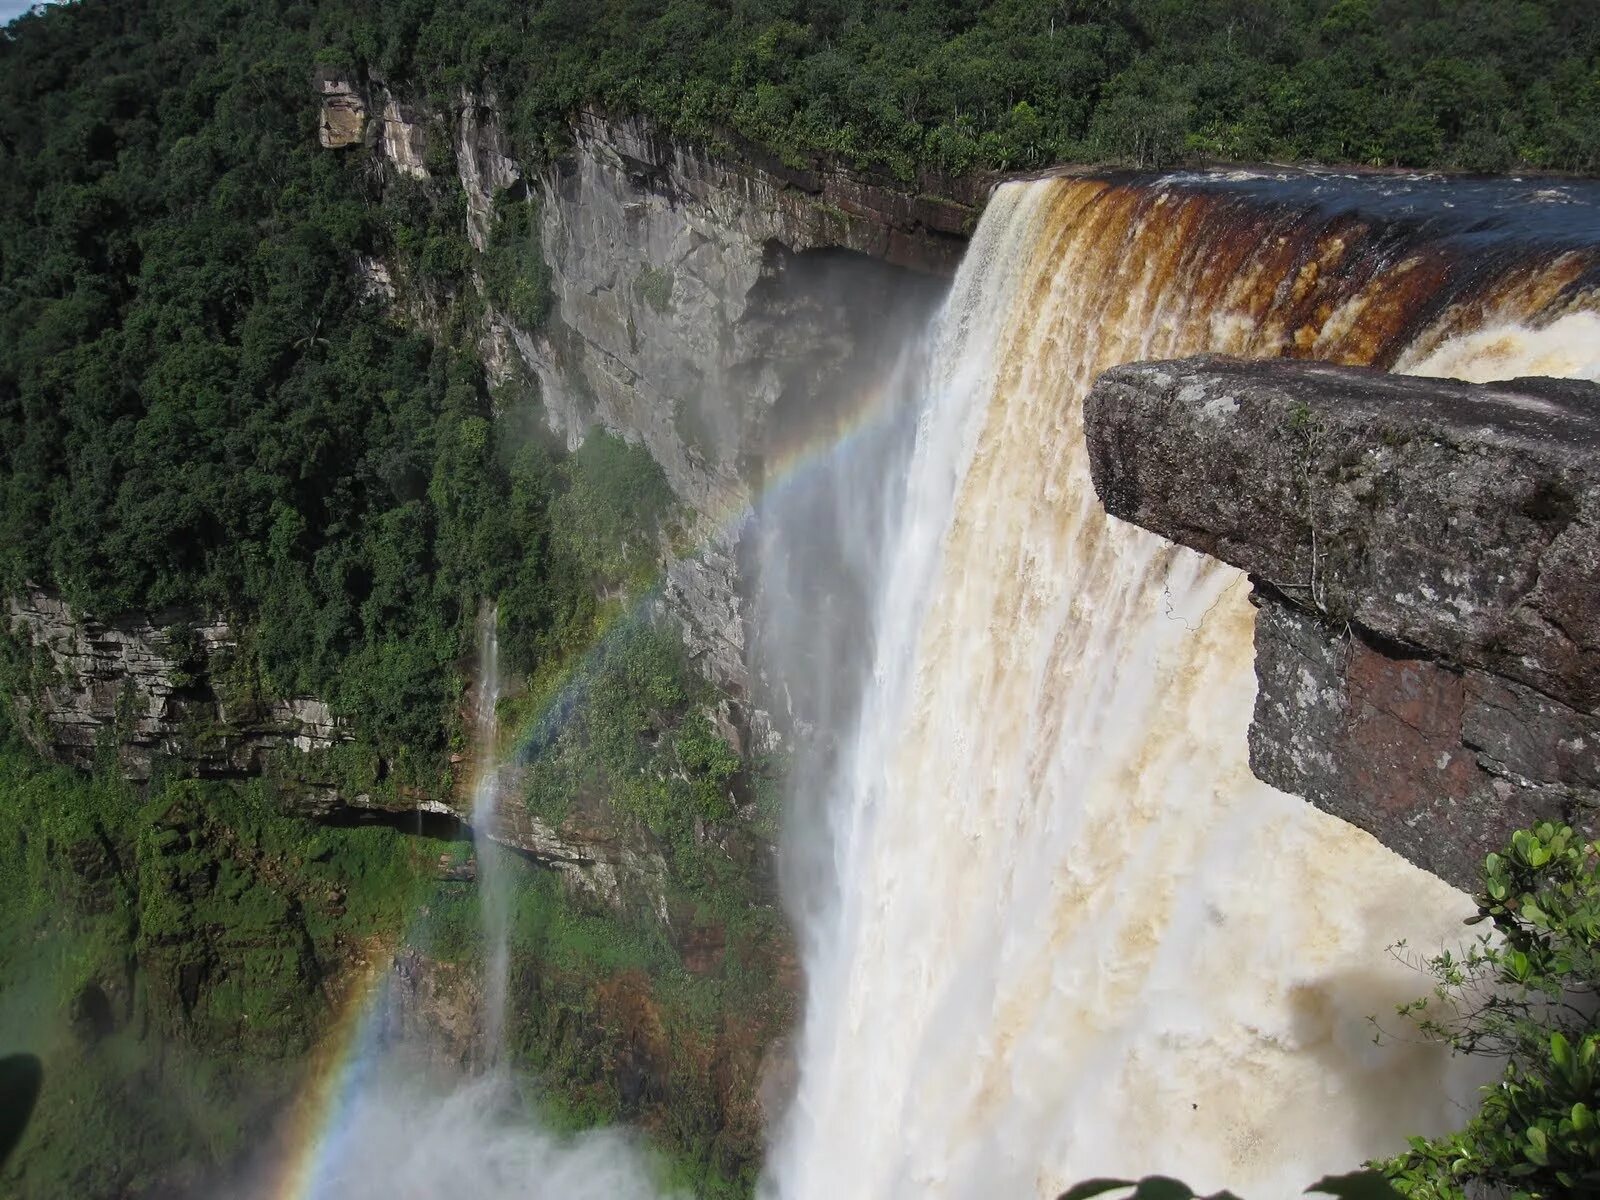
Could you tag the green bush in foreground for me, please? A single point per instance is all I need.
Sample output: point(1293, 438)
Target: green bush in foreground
point(1525, 994)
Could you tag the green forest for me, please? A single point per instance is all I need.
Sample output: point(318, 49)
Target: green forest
point(951, 86)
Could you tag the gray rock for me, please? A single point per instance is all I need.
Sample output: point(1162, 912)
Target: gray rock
point(1426, 556)
point(1458, 517)
point(143, 687)
point(700, 308)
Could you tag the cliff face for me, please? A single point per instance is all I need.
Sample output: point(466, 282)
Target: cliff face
point(710, 310)
point(701, 306)
point(1425, 556)
point(153, 686)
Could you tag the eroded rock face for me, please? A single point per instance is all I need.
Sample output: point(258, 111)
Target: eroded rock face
point(698, 308)
point(146, 687)
point(344, 110)
point(1441, 763)
point(700, 304)
point(483, 161)
point(404, 139)
point(1426, 554)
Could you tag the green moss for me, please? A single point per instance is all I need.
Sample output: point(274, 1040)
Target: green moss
point(654, 286)
point(167, 955)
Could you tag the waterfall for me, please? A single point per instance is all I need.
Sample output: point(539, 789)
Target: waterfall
point(1069, 933)
point(493, 885)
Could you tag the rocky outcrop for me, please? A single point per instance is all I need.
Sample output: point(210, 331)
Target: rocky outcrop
point(343, 120)
point(1426, 556)
point(147, 688)
point(484, 163)
point(404, 140)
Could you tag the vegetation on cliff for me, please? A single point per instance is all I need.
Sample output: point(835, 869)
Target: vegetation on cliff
point(204, 405)
point(170, 955)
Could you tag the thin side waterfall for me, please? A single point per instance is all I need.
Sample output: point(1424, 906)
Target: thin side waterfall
point(493, 897)
point(1070, 934)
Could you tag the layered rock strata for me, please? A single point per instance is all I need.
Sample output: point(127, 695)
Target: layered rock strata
point(144, 687)
point(721, 310)
point(1426, 560)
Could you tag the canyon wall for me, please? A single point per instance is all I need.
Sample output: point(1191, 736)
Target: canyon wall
point(715, 312)
point(1425, 555)
point(713, 308)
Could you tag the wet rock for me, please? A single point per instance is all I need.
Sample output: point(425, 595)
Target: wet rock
point(1426, 555)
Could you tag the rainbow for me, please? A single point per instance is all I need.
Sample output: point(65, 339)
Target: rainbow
point(317, 1127)
point(313, 1133)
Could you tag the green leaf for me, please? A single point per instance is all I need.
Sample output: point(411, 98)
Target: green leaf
point(1538, 1147)
point(1160, 1187)
point(1358, 1185)
point(1095, 1187)
point(1561, 1051)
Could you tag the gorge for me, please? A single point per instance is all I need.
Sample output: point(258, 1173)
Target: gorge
point(659, 685)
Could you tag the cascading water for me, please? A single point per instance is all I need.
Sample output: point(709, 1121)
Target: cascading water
point(493, 896)
point(1070, 934)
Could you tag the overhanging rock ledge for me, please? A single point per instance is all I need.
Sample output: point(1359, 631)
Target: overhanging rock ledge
point(1426, 561)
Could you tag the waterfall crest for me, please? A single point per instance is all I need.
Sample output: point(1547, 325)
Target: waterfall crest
point(1071, 933)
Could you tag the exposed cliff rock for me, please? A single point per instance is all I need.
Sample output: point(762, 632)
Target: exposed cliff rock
point(1426, 555)
point(701, 303)
point(403, 137)
point(344, 110)
point(148, 687)
point(483, 160)
point(699, 307)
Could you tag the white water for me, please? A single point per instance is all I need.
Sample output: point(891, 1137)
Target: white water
point(1568, 347)
point(403, 1141)
point(493, 885)
point(1072, 935)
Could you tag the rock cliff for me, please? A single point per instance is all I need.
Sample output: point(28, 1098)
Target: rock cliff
point(708, 307)
point(146, 687)
point(1425, 556)
point(700, 307)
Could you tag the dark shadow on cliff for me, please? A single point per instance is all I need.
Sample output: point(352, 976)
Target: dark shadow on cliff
point(21, 1078)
